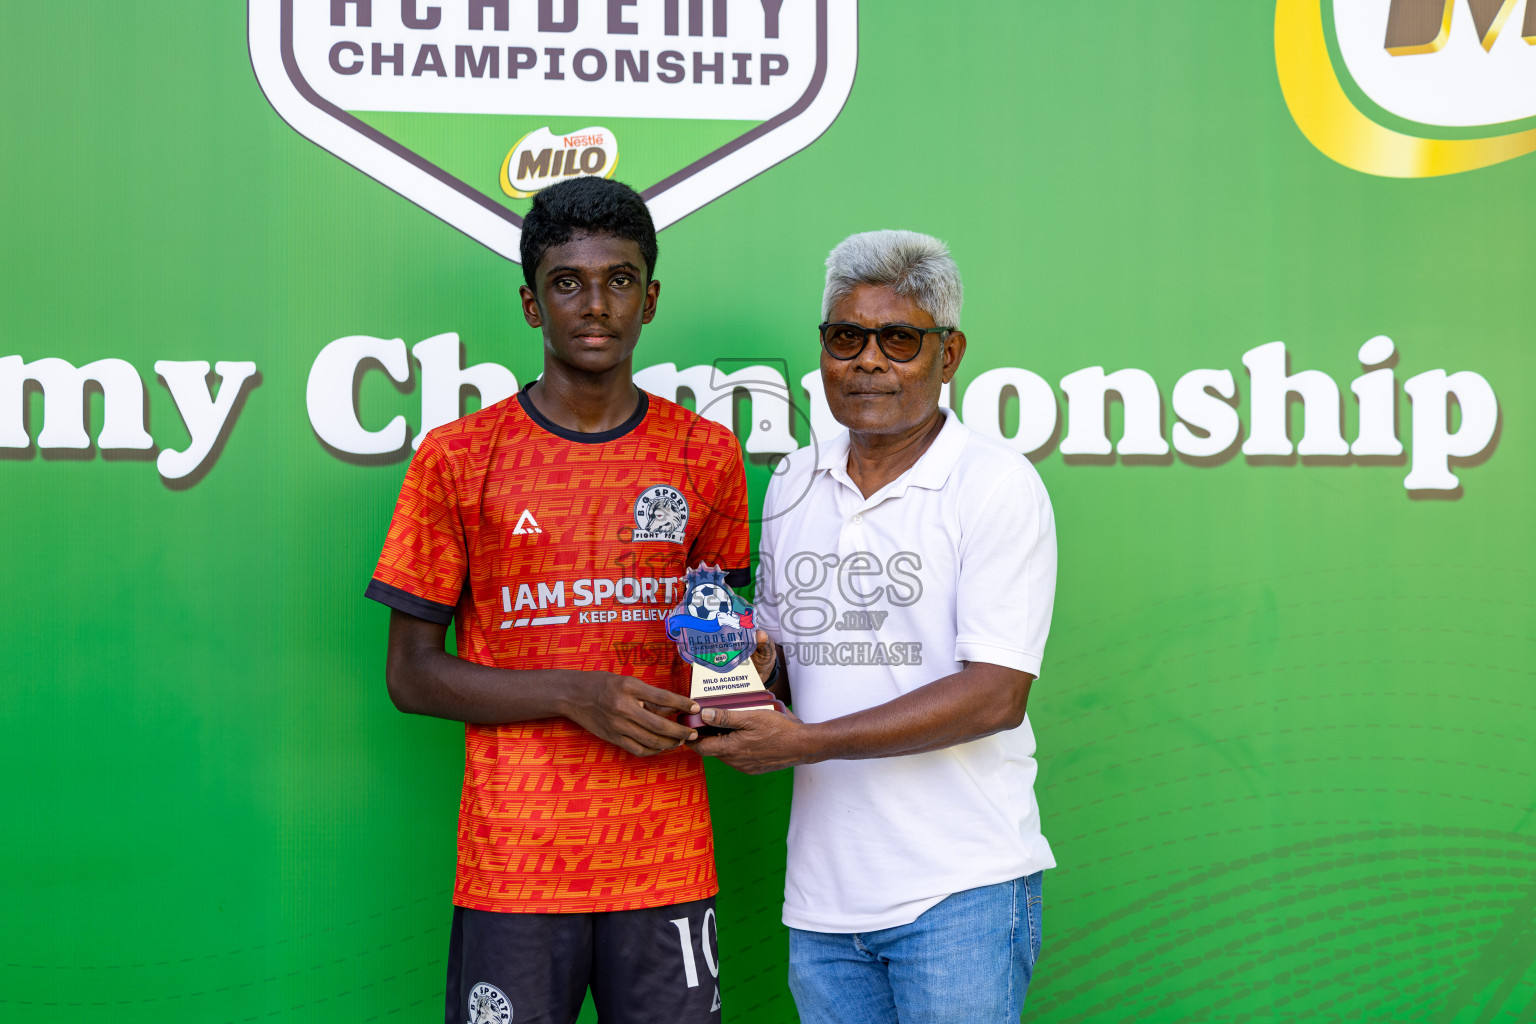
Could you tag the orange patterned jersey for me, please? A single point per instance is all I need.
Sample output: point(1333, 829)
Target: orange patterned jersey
point(550, 548)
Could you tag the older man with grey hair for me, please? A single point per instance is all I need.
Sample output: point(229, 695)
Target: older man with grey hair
point(907, 574)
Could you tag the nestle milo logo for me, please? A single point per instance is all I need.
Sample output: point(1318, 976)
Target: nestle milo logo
point(1410, 88)
point(1424, 26)
point(542, 158)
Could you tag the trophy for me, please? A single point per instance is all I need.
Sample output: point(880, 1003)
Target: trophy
point(714, 632)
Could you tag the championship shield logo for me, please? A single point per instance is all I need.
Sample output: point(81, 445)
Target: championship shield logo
point(469, 107)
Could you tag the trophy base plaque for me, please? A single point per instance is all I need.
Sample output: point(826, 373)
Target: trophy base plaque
point(736, 690)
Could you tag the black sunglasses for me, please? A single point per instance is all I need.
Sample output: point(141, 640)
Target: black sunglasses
point(897, 342)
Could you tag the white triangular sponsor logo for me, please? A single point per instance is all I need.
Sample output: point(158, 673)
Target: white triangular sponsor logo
point(527, 524)
point(717, 999)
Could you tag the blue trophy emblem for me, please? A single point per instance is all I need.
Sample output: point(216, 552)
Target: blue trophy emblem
point(715, 633)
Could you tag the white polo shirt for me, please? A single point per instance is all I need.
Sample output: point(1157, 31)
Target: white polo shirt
point(871, 598)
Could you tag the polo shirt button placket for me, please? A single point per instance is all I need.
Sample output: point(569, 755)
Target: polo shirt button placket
point(858, 520)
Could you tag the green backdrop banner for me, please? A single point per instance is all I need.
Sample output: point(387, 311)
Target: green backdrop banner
point(1248, 284)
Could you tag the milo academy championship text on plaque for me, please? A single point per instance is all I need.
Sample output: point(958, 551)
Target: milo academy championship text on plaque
point(714, 632)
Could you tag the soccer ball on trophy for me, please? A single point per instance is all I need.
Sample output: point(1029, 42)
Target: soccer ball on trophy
point(708, 600)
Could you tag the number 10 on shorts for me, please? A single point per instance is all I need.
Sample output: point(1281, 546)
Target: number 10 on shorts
point(690, 963)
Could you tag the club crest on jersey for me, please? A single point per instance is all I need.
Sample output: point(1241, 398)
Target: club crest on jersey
point(489, 1005)
point(661, 513)
point(712, 626)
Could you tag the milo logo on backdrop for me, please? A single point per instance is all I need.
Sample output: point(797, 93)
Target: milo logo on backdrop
point(542, 158)
point(469, 107)
point(1411, 88)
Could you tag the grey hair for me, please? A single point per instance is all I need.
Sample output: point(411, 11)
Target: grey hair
point(916, 266)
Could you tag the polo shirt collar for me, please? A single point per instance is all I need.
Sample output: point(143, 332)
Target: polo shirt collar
point(931, 470)
point(834, 454)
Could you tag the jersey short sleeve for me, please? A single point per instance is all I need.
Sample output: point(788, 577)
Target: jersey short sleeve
point(1007, 583)
point(725, 538)
point(421, 570)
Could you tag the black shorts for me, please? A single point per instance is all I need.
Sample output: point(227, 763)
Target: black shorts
point(655, 966)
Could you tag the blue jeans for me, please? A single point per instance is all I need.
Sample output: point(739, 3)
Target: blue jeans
point(965, 960)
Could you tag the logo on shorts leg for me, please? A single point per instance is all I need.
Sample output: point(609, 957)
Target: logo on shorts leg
point(489, 1005)
point(661, 513)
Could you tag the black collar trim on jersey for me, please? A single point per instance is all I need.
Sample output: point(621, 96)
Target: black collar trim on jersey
point(576, 435)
